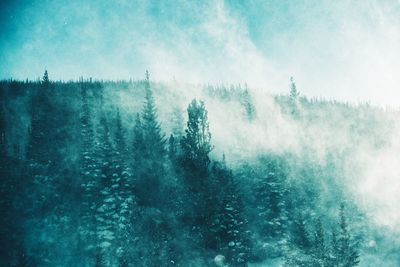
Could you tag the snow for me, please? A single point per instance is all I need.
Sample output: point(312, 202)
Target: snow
point(105, 244)
point(219, 260)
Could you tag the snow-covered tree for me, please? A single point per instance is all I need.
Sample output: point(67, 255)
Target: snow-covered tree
point(90, 175)
point(228, 231)
point(345, 251)
point(270, 197)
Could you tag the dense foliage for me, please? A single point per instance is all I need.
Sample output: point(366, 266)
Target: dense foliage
point(87, 183)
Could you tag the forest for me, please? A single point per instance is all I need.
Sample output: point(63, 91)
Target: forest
point(146, 173)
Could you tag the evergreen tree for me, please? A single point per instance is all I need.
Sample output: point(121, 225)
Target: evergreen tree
point(194, 162)
point(43, 164)
point(347, 254)
point(126, 210)
point(177, 123)
point(248, 105)
point(300, 233)
point(45, 79)
point(294, 98)
point(172, 148)
point(270, 198)
point(138, 142)
point(8, 214)
point(89, 173)
point(196, 143)
point(228, 231)
point(154, 139)
point(294, 93)
point(150, 152)
point(319, 246)
point(106, 207)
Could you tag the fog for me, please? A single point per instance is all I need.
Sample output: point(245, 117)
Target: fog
point(345, 50)
point(344, 57)
point(366, 141)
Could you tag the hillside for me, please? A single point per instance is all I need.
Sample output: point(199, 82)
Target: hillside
point(147, 173)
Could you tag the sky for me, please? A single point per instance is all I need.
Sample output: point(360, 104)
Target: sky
point(344, 50)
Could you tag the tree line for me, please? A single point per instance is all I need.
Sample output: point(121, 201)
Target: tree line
point(147, 199)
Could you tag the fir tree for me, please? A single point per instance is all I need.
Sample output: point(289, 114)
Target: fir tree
point(196, 143)
point(8, 214)
point(228, 230)
point(194, 162)
point(154, 139)
point(172, 148)
point(300, 233)
point(138, 141)
point(106, 210)
point(126, 210)
point(89, 173)
point(346, 250)
point(45, 79)
point(294, 99)
point(270, 197)
point(43, 160)
point(319, 246)
point(150, 159)
point(294, 93)
point(246, 101)
point(177, 122)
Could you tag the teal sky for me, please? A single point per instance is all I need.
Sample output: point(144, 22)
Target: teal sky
point(347, 50)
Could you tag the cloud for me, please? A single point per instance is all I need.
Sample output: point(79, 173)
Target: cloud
point(346, 50)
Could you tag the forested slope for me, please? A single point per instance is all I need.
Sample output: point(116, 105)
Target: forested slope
point(143, 173)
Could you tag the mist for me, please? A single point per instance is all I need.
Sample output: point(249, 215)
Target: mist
point(212, 133)
point(347, 50)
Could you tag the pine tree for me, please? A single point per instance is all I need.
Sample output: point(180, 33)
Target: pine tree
point(126, 210)
point(300, 233)
point(138, 141)
point(120, 142)
point(228, 231)
point(194, 165)
point(294, 98)
point(149, 149)
point(43, 164)
point(106, 208)
point(89, 173)
point(196, 144)
point(172, 148)
point(319, 246)
point(8, 213)
point(294, 93)
point(347, 254)
point(177, 122)
point(298, 253)
point(270, 198)
point(45, 79)
point(248, 105)
point(154, 139)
